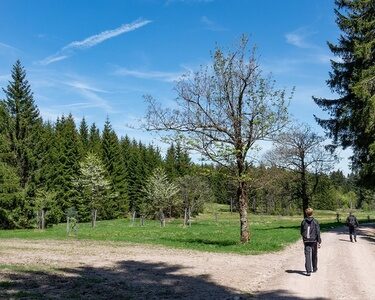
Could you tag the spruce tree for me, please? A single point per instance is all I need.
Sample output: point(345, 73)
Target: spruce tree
point(94, 144)
point(351, 122)
point(114, 164)
point(84, 136)
point(23, 122)
point(66, 166)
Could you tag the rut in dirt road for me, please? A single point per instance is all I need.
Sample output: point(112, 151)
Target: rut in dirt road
point(345, 270)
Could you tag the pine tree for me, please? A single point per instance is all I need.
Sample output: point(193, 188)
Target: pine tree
point(66, 166)
point(352, 121)
point(114, 164)
point(23, 122)
point(84, 136)
point(94, 144)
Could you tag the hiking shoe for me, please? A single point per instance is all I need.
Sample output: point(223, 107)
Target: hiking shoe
point(308, 274)
point(314, 271)
point(355, 240)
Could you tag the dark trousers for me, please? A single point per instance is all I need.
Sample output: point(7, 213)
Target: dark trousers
point(311, 256)
point(352, 232)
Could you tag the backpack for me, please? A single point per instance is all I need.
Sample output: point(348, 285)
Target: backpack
point(309, 231)
point(351, 221)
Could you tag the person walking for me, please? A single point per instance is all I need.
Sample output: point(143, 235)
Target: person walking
point(310, 232)
point(352, 223)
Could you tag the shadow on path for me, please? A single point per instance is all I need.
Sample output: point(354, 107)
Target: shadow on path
point(296, 272)
point(126, 280)
point(283, 294)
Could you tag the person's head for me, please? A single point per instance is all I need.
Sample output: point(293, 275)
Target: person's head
point(350, 213)
point(309, 212)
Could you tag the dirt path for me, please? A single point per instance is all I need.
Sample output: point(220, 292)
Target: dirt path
point(345, 270)
point(92, 270)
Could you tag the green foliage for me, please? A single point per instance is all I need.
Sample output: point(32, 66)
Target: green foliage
point(92, 181)
point(118, 204)
point(159, 193)
point(351, 121)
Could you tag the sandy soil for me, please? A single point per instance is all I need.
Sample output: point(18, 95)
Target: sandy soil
point(98, 270)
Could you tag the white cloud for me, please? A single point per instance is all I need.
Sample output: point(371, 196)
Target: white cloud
point(84, 86)
point(91, 41)
point(299, 37)
point(211, 25)
point(167, 2)
point(6, 46)
point(156, 75)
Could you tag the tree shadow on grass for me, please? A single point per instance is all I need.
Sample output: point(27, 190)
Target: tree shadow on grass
point(126, 280)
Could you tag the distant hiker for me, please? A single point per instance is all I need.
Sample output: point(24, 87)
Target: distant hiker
point(352, 223)
point(310, 231)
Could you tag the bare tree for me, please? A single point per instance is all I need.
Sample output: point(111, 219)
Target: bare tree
point(221, 111)
point(301, 150)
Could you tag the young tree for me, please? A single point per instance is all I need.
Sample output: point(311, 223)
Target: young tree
point(159, 192)
point(301, 150)
point(94, 182)
point(194, 191)
point(351, 122)
point(45, 203)
point(222, 111)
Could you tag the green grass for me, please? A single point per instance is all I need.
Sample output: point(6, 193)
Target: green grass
point(268, 233)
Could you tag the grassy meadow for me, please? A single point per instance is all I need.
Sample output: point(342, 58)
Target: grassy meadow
point(215, 230)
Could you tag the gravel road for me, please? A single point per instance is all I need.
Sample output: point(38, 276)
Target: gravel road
point(105, 270)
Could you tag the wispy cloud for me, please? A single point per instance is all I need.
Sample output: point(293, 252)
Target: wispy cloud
point(9, 47)
point(167, 2)
point(91, 94)
point(156, 75)
point(84, 86)
point(91, 41)
point(4, 77)
point(211, 25)
point(299, 37)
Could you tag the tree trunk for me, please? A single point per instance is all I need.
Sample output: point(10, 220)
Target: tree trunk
point(185, 217)
point(142, 221)
point(93, 218)
point(67, 225)
point(162, 218)
point(189, 216)
point(42, 219)
point(133, 218)
point(243, 206)
point(304, 196)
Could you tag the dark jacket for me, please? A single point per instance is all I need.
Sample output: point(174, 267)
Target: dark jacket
point(310, 230)
point(352, 221)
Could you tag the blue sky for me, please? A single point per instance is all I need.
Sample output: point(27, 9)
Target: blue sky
point(98, 58)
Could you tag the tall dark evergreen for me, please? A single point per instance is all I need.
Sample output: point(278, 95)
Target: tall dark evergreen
point(94, 144)
point(114, 164)
point(22, 122)
point(84, 136)
point(12, 201)
point(66, 166)
point(352, 121)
